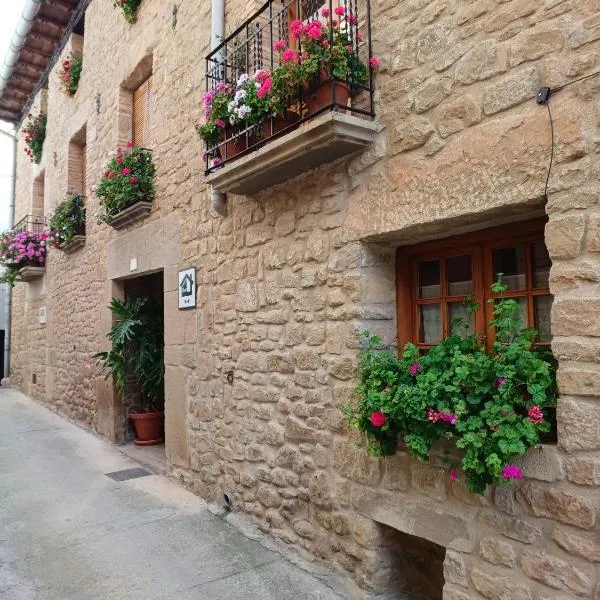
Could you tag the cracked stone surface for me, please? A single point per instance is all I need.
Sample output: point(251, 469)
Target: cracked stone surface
point(68, 532)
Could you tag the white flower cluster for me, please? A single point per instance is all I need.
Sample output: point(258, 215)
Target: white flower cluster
point(237, 109)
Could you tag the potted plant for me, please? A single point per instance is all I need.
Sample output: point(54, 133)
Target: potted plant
point(35, 134)
point(70, 74)
point(129, 9)
point(23, 256)
point(127, 180)
point(137, 352)
point(491, 405)
point(67, 225)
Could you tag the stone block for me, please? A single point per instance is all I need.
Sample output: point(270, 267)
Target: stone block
point(579, 379)
point(396, 473)
point(486, 59)
point(268, 496)
point(496, 586)
point(429, 480)
point(532, 44)
point(176, 431)
point(451, 592)
point(498, 552)
point(297, 431)
point(457, 114)
point(576, 316)
point(512, 89)
point(432, 92)
point(583, 545)
point(564, 236)
point(433, 41)
point(354, 463)
point(410, 134)
point(593, 234)
point(584, 469)
point(556, 572)
point(419, 516)
point(246, 296)
point(455, 568)
point(558, 504)
point(306, 359)
point(578, 424)
point(543, 463)
point(512, 527)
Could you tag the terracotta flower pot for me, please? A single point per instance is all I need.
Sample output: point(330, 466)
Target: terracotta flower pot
point(324, 95)
point(230, 146)
point(149, 428)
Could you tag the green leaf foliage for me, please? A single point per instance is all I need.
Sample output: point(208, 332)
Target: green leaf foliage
point(137, 349)
point(485, 402)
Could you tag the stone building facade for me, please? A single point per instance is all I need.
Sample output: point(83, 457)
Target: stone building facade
point(288, 279)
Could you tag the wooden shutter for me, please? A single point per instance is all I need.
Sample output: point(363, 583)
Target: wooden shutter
point(141, 114)
point(84, 187)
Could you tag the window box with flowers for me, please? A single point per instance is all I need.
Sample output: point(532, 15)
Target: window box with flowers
point(23, 256)
point(71, 73)
point(491, 404)
point(126, 189)
point(67, 226)
point(317, 88)
point(34, 133)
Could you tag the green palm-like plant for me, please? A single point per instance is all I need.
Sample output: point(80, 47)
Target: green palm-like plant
point(137, 349)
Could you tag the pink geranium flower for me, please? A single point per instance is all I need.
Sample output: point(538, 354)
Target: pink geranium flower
point(325, 12)
point(280, 45)
point(296, 28)
point(133, 180)
point(126, 171)
point(512, 472)
point(453, 474)
point(339, 10)
point(414, 368)
point(535, 414)
point(288, 56)
point(374, 62)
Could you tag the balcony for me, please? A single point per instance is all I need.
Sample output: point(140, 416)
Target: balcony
point(289, 90)
point(30, 267)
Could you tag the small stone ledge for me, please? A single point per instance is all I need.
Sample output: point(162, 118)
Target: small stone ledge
point(31, 273)
point(130, 215)
point(77, 242)
point(320, 140)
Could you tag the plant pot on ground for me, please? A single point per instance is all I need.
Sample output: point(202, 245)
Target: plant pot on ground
point(137, 352)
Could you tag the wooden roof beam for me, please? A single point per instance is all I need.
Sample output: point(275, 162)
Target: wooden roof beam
point(52, 22)
point(37, 51)
point(43, 37)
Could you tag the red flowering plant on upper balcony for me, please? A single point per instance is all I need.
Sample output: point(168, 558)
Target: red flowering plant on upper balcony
point(19, 250)
point(127, 179)
point(70, 74)
point(489, 404)
point(34, 133)
point(129, 8)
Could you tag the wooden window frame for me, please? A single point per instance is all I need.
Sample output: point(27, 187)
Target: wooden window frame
point(479, 246)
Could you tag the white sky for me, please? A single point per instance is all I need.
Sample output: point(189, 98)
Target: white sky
point(10, 13)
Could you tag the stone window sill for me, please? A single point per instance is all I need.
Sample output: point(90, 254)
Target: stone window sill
point(130, 215)
point(31, 273)
point(77, 242)
point(318, 141)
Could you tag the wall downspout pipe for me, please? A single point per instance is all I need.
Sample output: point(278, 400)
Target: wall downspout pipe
point(18, 40)
point(217, 198)
point(11, 217)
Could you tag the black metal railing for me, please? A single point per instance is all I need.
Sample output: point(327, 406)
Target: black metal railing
point(270, 40)
point(30, 223)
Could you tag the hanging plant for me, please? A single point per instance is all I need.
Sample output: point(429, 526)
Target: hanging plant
point(70, 73)
point(34, 133)
point(490, 404)
point(19, 250)
point(68, 221)
point(129, 8)
point(127, 179)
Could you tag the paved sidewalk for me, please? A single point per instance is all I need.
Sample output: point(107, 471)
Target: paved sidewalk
point(68, 532)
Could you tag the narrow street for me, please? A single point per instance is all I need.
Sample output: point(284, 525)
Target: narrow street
point(69, 532)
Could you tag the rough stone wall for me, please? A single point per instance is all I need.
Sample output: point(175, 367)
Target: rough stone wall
point(289, 278)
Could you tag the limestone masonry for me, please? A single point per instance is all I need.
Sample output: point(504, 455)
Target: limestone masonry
point(291, 276)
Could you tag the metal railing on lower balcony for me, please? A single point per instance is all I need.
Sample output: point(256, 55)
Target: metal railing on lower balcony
point(30, 223)
point(292, 61)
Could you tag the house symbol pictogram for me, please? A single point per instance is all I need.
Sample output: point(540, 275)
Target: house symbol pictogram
point(187, 286)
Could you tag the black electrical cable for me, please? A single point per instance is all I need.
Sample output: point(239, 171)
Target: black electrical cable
point(551, 150)
point(564, 85)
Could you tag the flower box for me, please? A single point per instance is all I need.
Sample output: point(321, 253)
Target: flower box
point(130, 215)
point(29, 273)
point(77, 242)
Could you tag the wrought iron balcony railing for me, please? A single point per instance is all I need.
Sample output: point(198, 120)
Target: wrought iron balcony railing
point(290, 62)
point(30, 223)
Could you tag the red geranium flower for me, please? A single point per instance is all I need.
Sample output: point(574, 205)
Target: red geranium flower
point(377, 418)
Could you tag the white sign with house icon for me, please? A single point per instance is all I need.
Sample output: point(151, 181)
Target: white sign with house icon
point(187, 288)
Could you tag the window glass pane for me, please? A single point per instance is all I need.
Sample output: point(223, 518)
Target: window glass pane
point(543, 305)
point(457, 310)
point(523, 312)
point(429, 279)
point(510, 262)
point(458, 274)
point(540, 264)
point(430, 324)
